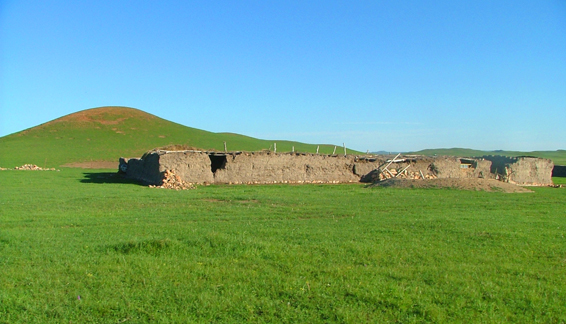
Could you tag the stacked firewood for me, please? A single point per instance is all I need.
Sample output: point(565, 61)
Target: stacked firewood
point(173, 181)
point(404, 174)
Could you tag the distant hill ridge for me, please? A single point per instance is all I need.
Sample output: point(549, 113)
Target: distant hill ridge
point(107, 133)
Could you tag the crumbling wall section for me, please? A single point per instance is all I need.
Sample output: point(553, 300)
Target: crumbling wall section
point(268, 167)
point(530, 172)
point(429, 168)
point(192, 167)
point(145, 169)
point(525, 170)
point(363, 166)
point(454, 167)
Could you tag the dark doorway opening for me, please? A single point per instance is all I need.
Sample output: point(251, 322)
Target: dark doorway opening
point(217, 162)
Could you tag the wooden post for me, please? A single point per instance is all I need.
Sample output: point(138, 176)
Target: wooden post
point(391, 161)
point(293, 149)
point(318, 146)
point(275, 147)
point(225, 150)
point(402, 170)
point(334, 152)
point(344, 144)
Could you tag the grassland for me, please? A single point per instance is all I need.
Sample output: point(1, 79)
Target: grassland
point(89, 247)
point(105, 134)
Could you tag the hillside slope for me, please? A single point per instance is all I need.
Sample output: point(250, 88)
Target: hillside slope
point(107, 133)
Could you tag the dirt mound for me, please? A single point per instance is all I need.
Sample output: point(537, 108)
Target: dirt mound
point(462, 184)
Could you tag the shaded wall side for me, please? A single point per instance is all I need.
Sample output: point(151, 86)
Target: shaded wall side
point(499, 163)
point(559, 171)
point(363, 168)
point(145, 170)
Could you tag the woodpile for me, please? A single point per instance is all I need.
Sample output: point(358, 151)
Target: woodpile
point(403, 174)
point(173, 181)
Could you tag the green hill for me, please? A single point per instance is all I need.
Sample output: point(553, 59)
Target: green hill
point(107, 133)
point(558, 157)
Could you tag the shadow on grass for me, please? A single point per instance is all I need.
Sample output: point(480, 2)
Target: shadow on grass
point(152, 247)
point(107, 177)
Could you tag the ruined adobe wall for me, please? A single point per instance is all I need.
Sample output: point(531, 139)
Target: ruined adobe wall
point(145, 169)
point(191, 167)
point(525, 171)
point(267, 167)
point(363, 166)
point(432, 167)
point(248, 167)
point(451, 167)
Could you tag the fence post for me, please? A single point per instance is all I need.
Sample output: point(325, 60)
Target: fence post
point(225, 150)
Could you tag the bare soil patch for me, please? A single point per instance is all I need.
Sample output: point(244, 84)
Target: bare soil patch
point(462, 184)
point(93, 165)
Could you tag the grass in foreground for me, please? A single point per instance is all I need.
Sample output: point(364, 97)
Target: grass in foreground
point(89, 247)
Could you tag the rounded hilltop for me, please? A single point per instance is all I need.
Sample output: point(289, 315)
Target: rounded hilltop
point(105, 134)
point(109, 115)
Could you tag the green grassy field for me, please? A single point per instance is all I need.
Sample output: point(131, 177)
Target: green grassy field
point(89, 247)
point(107, 133)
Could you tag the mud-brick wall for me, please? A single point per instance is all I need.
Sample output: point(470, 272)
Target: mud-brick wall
point(262, 167)
point(528, 171)
point(451, 167)
point(363, 167)
point(145, 170)
point(194, 167)
point(531, 171)
point(189, 166)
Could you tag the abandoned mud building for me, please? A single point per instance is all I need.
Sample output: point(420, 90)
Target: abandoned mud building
point(265, 167)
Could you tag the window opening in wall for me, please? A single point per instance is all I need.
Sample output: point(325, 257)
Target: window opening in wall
point(467, 164)
point(217, 162)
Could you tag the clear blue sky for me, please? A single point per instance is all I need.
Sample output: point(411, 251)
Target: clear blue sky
point(377, 75)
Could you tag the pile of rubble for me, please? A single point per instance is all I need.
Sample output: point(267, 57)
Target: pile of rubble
point(32, 167)
point(173, 181)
